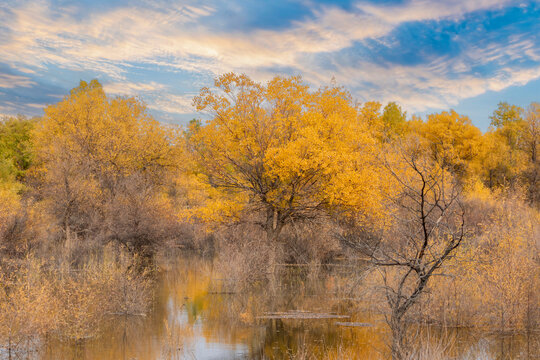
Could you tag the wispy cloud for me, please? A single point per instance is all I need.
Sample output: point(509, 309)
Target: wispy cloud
point(131, 88)
point(12, 81)
point(420, 10)
point(41, 39)
point(174, 104)
point(129, 34)
point(445, 80)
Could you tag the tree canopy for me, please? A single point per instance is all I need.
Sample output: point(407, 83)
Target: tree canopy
point(287, 151)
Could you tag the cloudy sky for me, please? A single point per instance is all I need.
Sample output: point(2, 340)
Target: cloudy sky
point(426, 55)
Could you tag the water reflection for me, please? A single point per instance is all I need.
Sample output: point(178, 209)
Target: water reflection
point(199, 315)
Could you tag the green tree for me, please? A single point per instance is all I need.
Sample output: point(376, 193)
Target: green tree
point(394, 120)
point(508, 121)
point(16, 153)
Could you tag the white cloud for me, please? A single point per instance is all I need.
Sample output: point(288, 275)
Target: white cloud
point(7, 110)
point(174, 104)
point(12, 81)
point(132, 88)
point(422, 87)
point(36, 106)
point(420, 10)
point(109, 42)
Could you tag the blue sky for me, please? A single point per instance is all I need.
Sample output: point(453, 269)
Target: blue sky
point(427, 55)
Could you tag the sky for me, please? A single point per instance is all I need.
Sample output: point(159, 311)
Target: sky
point(427, 55)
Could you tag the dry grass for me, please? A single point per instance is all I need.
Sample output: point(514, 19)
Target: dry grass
point(40, 298)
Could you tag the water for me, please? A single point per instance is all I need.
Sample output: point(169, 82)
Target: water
point(199, 314)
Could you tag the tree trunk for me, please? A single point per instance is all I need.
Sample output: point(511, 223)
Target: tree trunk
point(273, 228)
point(273, 224)
point(398, 335)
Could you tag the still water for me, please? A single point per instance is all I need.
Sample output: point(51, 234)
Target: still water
point(199, 314)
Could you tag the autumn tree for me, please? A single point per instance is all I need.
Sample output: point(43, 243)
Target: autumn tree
point(497, 164)
point(370, 113)
point(508, 121)
point(532, 132)
point(104, 169)
point(16, 156)
point(453, 141)
point(284, 151)
point(505, 114)
point(506, 134)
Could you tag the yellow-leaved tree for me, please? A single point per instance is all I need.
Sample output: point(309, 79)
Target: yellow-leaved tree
point(100, 158)
point(454, 142)
point(283, 151)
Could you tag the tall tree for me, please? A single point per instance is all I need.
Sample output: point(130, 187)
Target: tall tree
point(107, 152)
point(288, 153)
point(508, 121)
point(454, 142)
point(16, 155)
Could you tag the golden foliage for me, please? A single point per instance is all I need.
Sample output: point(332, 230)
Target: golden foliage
point(107, 153)
point(282, 149)
point(453, 140)
point(112, 137)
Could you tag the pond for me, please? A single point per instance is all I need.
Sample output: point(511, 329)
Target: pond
point(200, 314)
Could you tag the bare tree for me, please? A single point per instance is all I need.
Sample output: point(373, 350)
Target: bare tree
point(427, 226)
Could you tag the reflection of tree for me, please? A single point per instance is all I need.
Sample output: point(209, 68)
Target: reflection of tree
point(221, 320)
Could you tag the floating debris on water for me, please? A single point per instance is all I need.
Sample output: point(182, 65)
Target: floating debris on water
point(301, 314)
point(353, 324)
